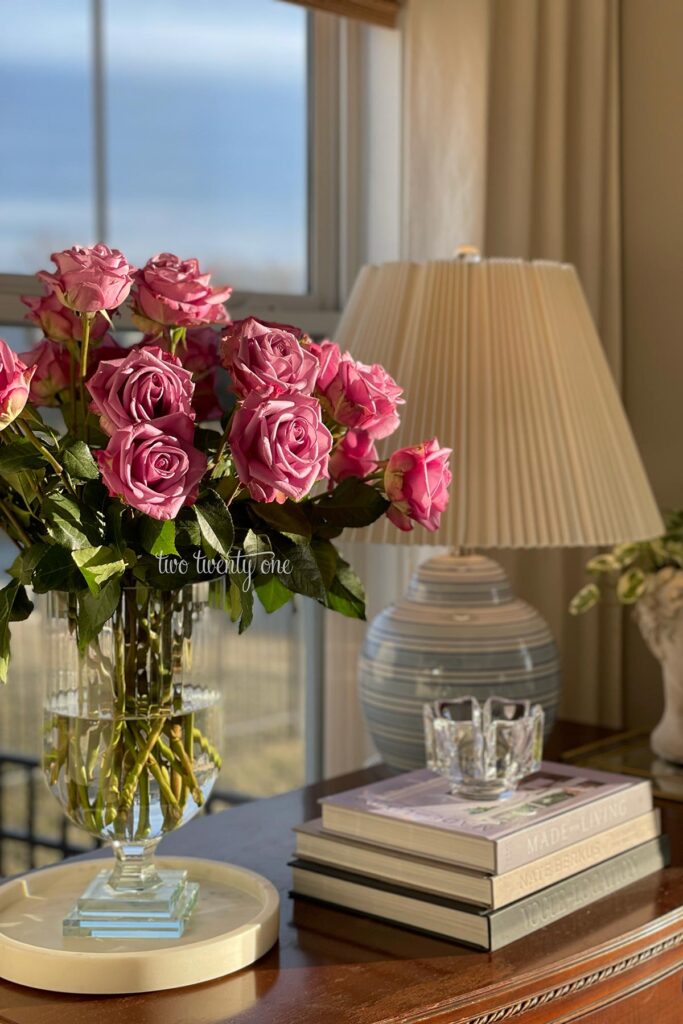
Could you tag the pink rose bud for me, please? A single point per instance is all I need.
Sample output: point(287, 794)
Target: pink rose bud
point(144, 385)
point(355, 455)
point(329, 356)
point(50, 361)
point(90, 279)
point(170, 292)
point(57, 322)
point(154, 467)
point(416, 482)
point(364, 397)
point(15, 383)
point(266, 359)
point(280, 446)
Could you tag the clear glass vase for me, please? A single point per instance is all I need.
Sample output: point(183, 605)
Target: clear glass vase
point(131, 741)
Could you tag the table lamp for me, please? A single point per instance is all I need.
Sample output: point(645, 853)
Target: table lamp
point(501, 361)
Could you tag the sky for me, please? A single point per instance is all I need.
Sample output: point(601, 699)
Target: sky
point(205, 134)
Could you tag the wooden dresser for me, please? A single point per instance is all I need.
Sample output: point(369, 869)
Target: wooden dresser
point(619, 961)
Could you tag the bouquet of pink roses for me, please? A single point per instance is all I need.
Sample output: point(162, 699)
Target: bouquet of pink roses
point(164, 455)
point(233, 453)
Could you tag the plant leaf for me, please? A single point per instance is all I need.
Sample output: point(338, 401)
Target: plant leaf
point(352, 503)
point(346, 593)
point(289, 518)
point(12, 596)
point(585, 599)
point(93, 611)
point(55, 570)
point(631, 586)
point(157, 536)
point(20, 455)
point(70, 524)
point(272, 594)
point(97, 565)
point(215, 523)
point(77, 460)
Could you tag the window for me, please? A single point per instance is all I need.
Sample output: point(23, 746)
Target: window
point(157, 124)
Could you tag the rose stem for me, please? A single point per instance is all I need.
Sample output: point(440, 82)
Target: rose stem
point(27, 432)
point(175, 733)
point(133, 774)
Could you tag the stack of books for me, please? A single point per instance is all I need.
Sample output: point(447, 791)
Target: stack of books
point(485, 873)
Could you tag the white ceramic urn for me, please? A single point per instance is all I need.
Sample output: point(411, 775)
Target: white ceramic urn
point(659, 613)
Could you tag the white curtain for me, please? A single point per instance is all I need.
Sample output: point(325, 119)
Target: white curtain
point(511, 143)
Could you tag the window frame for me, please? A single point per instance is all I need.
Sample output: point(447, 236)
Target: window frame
point(332, 215)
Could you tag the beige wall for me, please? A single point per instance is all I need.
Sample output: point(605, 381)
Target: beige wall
point(652, 168)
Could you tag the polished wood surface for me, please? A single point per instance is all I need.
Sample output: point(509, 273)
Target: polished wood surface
point(619, 961)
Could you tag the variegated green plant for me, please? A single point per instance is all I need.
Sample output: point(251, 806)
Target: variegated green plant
point(627, 567)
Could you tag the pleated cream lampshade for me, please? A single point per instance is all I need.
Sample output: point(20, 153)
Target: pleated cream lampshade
point(501, 361)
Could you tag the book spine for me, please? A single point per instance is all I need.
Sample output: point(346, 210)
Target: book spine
point(564, 830)
point(541, 909)
point(545, 871)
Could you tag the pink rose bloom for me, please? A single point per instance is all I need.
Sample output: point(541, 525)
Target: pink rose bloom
point(170, 292)
point(57, 322)
point(15, 382)
point(416, 481)
point(364, 397)
point(266, 359)
point(146, 384)
point(154, 467)
point(329, 356)
point(355, 455)
point(90, 279)
point(280, 446)
point(50, 362)
point(199, 354)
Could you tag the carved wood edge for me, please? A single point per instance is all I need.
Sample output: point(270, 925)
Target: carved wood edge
point(627, 953)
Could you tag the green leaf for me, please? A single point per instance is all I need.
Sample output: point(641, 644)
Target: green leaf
point(55, 570)
point(327, 559)
point(626, 554)
point(603, 563)
point(23, 565)
point(289, 519)
point(352, 503)
point(157, 536)
point(10, 596)
point(247, 602)
point(585, 599)
point(272, 594)
point(20, 455)
point(97, 565)
point(187, 532)
point(94, 611)
point(346, 593)
point(631, 586)
point(298, 569)
point(215, 523)
point(77, 460)
point(70, 524)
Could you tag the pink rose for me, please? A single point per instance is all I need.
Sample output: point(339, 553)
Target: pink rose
point(280, 446)
point(51, 364)
point(266, 359)
point(15, 382)
point(364, 397)
point(146, 384)
point(154, 467)
point(329, 356)
point(90, 279)
point(57, 322)
point(174, 293)
point(355, 455)
point(416, 482)
point(199, 354)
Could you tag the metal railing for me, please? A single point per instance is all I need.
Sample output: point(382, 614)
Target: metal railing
point(31, 836)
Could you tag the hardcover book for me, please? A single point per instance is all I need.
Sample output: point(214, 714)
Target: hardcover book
point(492, 891)
point(552, 809)
point(485, 929)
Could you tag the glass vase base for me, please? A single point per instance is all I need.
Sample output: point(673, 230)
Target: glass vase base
point(106, 913)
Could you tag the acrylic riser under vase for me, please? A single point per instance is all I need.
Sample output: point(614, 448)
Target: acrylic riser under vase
point(131, 746)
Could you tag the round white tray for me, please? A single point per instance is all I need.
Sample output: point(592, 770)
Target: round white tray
point(234, 923)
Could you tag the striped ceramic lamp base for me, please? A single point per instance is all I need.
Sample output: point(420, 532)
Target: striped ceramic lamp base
point(459, 631)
